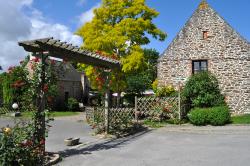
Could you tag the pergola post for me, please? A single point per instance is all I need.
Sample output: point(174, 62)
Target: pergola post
point(107, 99)
point(40, 115)
point(106, 112)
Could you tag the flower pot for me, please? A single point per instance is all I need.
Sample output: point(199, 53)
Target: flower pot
point(71, 141)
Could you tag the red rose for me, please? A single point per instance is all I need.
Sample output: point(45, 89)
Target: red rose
point(18, 84)
point(36, 60)
point(52, 62)
point(42, 142)
point(45, 88)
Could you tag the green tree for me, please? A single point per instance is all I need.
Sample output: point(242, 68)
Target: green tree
point(142, 79)
point(119, 29)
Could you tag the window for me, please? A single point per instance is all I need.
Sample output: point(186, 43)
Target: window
point(198, 66)
point(205, 34)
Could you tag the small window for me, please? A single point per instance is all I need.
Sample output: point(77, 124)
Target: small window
point(205, 34)
point(198, 66)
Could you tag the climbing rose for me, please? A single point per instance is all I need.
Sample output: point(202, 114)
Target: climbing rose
point(36, 59)
point(45, 88)
point(52, 62)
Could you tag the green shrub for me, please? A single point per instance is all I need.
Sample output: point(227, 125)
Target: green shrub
point(73, 104)
point(198, 116)
point(202, 90)
point(219, 116)
point(155, 85)
point(216, 116)
point(165, 91)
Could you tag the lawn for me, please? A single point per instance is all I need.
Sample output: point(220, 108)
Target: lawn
point(154, 124)
point(243, 119)
point(53, 114)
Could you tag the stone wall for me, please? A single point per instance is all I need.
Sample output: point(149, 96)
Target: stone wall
point(228, 56)
point(74, 89)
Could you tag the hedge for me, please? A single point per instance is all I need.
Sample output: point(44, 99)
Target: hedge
point(216, 116)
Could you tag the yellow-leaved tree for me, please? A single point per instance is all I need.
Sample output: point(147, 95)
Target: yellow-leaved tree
point(119, 29)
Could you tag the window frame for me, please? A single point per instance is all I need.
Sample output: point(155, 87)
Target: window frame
point(201, 69)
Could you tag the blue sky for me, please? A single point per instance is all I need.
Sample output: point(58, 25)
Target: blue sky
point(30, 19)
point(172, 17)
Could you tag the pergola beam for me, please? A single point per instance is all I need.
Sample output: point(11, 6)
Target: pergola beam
point(63, 50)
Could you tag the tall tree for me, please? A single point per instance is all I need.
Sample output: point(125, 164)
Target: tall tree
point(142, 79)
point(119, 29)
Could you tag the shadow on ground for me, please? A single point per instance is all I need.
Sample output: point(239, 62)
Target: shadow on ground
point(106, 145)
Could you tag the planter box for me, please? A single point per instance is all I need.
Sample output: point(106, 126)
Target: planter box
point(71, 141)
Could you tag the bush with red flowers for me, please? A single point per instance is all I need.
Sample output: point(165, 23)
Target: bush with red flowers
point(23, 145)
point(17, 147)
point(14, 84)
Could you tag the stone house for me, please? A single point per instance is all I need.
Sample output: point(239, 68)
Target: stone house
point(208, 42)
point(71, 84)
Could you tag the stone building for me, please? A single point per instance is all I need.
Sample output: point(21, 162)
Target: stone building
point(71, 83)
point(208, 42)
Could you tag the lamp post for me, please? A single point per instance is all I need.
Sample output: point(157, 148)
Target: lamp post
point(15, 107)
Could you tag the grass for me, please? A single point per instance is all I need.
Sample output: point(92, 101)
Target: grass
point(61, 114)
point(155, 124)
point(243, 119)
point(53, 114)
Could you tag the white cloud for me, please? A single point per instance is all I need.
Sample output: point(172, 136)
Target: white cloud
point(81, 2)
point(41, 29)
point(15, 25)
point(88, 15)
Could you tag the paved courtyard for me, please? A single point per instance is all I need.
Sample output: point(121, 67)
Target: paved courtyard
point(172, 145)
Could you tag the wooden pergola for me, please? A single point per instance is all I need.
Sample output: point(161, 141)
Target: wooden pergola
point(63, 50)
point(43, 48)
